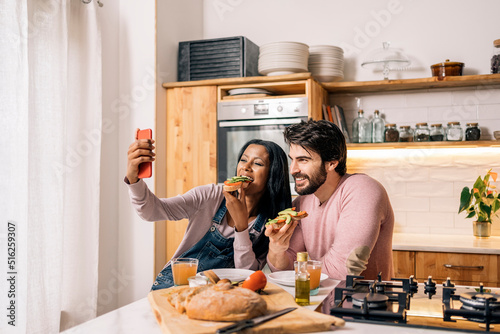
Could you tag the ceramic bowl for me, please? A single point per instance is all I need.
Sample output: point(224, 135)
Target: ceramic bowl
point(447, 69)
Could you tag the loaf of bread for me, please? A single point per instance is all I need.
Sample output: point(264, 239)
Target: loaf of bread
point(223, 302)
point(219, 302)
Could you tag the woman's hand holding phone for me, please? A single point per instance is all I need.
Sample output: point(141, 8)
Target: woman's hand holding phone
point(140, 156)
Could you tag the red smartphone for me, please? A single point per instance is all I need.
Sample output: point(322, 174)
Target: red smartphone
point(145, 168)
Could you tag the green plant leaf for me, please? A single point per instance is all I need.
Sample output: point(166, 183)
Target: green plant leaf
point(495, 206)
point(465, 199)
point(471, 214)
point(479, 184)
point(486, 209)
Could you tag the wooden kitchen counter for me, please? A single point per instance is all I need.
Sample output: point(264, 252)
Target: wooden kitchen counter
point(446, 243)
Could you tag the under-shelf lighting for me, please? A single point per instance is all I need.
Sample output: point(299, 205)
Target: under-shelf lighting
point(381, 154)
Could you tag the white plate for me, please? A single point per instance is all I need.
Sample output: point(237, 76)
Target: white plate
point(239, 91)
point(235, 275)
point(287, 277)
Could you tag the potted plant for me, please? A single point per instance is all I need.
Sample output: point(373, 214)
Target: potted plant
point(481, 203)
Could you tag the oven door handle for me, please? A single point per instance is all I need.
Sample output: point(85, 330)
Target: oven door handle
point(257, 122)
point(452, 266)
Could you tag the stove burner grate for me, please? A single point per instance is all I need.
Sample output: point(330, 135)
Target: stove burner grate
point(373, 300)
point(478, 307)
point(478, 300)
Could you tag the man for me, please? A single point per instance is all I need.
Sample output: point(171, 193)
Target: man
point(350, 222)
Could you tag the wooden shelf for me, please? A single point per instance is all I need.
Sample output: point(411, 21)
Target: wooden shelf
point(425, 145)
point(239, 81)
point(484, 80)
point(410, 84)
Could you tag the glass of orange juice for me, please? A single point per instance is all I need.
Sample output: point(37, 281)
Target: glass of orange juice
point(314, 269)
point(182, 269)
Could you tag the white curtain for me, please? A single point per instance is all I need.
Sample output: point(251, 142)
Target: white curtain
point(50, 107)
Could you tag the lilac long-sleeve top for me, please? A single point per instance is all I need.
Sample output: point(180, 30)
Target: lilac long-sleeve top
point(351, 233)
point(199, 206)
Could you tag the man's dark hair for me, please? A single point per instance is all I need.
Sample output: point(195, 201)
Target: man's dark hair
point(322, 137)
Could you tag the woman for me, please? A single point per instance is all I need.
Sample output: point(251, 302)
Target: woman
point(225, 230)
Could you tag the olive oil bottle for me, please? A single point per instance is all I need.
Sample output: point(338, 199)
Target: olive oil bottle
point(302, 280)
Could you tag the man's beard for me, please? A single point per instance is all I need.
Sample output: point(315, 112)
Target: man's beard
point(315, 181)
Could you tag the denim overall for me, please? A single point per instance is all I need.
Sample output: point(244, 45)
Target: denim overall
point(214, 250)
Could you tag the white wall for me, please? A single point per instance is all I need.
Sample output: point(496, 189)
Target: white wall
point(126, 242)
point(427, 31)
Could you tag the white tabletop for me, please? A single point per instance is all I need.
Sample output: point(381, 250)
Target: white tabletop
point(137, 317)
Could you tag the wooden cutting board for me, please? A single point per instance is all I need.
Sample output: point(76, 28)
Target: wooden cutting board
point(300, 320)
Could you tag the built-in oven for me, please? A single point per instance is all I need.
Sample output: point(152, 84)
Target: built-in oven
point(240, 121)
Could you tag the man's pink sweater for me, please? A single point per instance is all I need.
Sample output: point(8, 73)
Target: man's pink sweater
point(351, 233)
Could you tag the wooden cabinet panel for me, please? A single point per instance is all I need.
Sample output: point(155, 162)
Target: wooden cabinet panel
point(404, 264)
point(470, 269)
point(186, 154)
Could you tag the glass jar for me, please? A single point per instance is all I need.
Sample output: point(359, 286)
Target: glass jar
point(454, 132)
point(422, 132)
point(377, 128)
point(437, 132)
point(361, 129)
point(391, 133)
point(405, 133)
point(472, 132)
point(495, 59)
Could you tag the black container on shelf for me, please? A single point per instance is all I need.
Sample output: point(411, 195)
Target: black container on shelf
point(472, 132)
point(437, 132)
point(230, 57)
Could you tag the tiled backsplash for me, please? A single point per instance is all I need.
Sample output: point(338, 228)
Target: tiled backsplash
point(424, 185)
point(477, 104)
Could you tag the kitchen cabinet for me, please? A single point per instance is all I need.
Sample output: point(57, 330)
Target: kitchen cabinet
point(463, 269)
point(186, 156)
point(404, 264)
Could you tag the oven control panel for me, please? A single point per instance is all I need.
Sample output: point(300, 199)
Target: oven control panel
point(262, 109)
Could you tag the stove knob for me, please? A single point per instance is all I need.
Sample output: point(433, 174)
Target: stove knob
point(430, 287)
point(448, 283)
point(430, 282)
point(280, 108)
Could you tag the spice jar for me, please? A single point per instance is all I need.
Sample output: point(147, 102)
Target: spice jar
point(454, 132)
point(391, 133)
point(405, 133)
point(422, 132)
point(495, 59)
point(472, 132)
point(437, 132)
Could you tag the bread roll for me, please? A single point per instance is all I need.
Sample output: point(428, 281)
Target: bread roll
point(179, 296)
point(223, 302)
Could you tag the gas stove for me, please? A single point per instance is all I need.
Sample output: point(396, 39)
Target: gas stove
point(406, 302)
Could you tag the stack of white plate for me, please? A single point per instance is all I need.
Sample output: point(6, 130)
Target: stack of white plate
point(281, 58)
point(326, 63)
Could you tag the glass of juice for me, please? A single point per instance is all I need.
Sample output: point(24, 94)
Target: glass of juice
point(182, 269)
point(314, 269)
